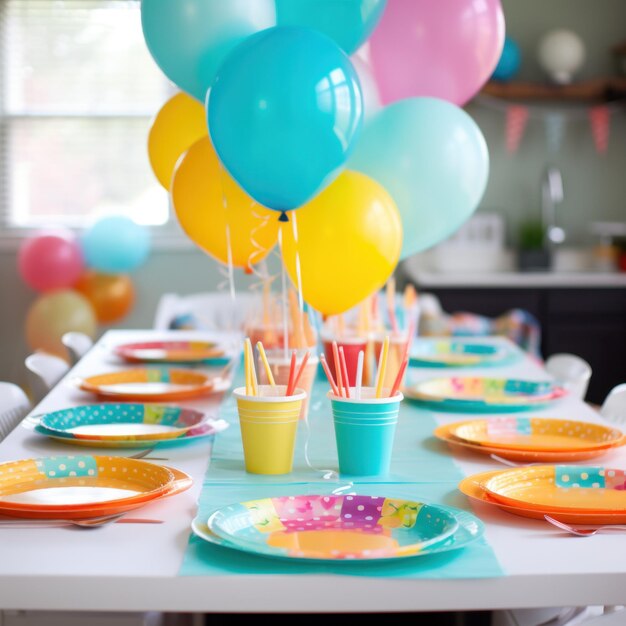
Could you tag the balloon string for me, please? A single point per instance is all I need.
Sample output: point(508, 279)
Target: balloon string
point(229, 272)
point(327, 474)
point(294, 228)
point(285, 302)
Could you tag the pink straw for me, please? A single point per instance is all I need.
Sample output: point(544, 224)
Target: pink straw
point(292, 373)
point(344, 372)
point(299, 374)
point(398, 380)
point(338, 369)
point(331, 380)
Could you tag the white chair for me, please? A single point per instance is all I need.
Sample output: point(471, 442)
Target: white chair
point(14, 405)
point(44, 371)
point(213, 311)
point(571, 372)
point(77, 345)
point(613, 408)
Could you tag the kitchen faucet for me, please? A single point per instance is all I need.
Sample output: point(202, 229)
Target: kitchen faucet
point(551, 196)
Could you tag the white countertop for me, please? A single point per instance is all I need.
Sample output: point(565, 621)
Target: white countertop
point(135, 568)
point(430, 279)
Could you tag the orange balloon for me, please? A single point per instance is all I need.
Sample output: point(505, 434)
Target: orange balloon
point(111, 295)
point(54, 314)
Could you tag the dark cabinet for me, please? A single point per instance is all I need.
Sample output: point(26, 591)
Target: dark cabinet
point(589, 322)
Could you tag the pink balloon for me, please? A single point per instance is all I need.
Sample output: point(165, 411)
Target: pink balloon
point(445, 49)
point(50, 261)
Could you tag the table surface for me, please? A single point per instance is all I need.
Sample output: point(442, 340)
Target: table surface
point(127, 567)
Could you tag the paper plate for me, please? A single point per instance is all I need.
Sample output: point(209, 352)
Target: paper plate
point(121, 422)
point(333, 527)
point(207, 429)
point(524, 456)
point(83, 486)
point(469, 528)
point(172, 352)
point(457, 354)
point(154, 384)
point(561, 488)
point(472, 487)
point(536, 434)
point(474, 394)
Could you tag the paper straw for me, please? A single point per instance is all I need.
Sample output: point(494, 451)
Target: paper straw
point(338, 368)
point(292, 372)
point(391, 304)
point(398, 380)
point(344, 372)
point(266, 365)
point(382, 368)
point(246, 368)
point(359, 374)
point(299, 374)
point(253, 379)
point(331, 380)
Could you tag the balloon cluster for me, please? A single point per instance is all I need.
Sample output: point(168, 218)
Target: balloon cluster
point(81, 282)
point(277, 117)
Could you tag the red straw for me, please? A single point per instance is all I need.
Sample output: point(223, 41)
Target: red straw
point(344, 372)
point(292, 373)
point(299, 374)
point(338, 369)
point(331, 380)
point(398, 380)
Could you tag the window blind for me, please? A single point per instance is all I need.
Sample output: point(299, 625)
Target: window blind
point(77, 92)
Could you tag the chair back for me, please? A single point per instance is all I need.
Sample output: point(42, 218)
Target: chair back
point(44, 371)
point(571, 372)
point(77, 345)
point(14, 405)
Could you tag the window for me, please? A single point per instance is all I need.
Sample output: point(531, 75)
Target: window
point(78, 89)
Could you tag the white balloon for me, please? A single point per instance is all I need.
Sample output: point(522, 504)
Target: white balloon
point(561, 53)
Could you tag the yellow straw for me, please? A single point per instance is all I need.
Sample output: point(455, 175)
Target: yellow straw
point(266, 365)
point(382, 368)
point(246, 368)
point(253, 379)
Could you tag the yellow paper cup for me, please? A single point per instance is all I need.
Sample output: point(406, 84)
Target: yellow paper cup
point(268, 425)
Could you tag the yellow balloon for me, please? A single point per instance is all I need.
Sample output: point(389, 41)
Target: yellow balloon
point(179, 124)
point(208, 203)
point(349, 242)
point(54, 314)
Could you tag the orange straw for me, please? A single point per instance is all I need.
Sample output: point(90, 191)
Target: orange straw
point(344, 372)
point(382, 368)
point(331, 380)
point(391, 304)
point(299, 374)
point(292, 373)
point(338, 368)
point(398, 380)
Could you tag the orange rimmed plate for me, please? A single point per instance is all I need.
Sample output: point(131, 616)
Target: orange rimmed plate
point(170, 351)
point(537, 434)
point(444, 433)
point(153, 384)
point(561, 488)
point(472, 487)
point(82, 486)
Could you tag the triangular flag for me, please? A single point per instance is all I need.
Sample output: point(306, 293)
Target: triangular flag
point(600, 119)
point(516, 118)
point(555, 130)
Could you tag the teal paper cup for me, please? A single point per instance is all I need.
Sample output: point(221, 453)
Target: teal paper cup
point(364, 431)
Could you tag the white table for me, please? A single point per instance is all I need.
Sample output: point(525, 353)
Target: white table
point(134, 568)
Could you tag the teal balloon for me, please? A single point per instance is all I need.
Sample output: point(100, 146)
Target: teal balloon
point(509, 62)
point(432, 158)
point(189, 39)
point(283, 113)
point(348, 22)
point(115, 244)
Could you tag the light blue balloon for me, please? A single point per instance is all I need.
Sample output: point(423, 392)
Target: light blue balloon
point(115, 245)
point(432, 158)
point(283, 114)
point(348, 22)
point(510, 61)
point(189, 39)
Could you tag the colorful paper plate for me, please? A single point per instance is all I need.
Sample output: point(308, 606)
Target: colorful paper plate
point(536, 434)
point(472, 488)
point(207, 429)
point(154, 384)
point(122, 422)
point(457, 354)
point(83, 486)
point(523, 456)
point(333, 527)
point(172, 352)
point(474, 394)
point(469, 528)
point(561, 488)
